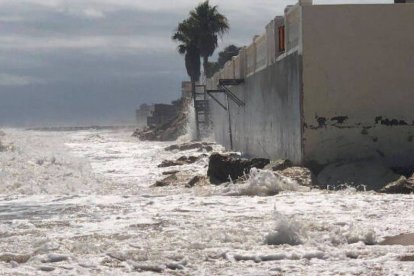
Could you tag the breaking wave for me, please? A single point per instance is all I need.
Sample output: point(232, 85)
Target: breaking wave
point(264, 183)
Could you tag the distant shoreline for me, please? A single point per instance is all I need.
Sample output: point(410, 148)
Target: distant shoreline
point(76, 128)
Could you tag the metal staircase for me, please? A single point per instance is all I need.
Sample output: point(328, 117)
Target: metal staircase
point(201, 108)
point(223, 87)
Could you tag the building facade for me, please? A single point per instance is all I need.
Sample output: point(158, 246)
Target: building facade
point(324, 83)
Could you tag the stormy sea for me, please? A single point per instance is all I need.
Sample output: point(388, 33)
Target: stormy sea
point(83, 202)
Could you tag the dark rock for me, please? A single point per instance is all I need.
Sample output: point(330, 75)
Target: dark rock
point(278, 165)
point(221, 167)
point(183, 160)
point(195, 180)
point(147, 267)
point(46, 268)
point(170, 163)
point(191, 146)
point(403, 239)
point(401, 186)
point(169, 180)
point(192, 159)
point(170, 172)
point(409, 258)
point(175, 266)
point(18, 258)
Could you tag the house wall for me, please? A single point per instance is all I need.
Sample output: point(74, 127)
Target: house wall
point(269, 125)
point(358, 83)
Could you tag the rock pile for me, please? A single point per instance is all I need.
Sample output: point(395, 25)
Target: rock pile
point(191, 146)
point(222, 167)
point(402, 186)
point(169, 131)
point(183, 160)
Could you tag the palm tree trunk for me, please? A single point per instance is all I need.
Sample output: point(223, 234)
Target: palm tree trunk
point(205, 65)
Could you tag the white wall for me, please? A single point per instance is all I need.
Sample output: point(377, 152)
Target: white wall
point(358, 67)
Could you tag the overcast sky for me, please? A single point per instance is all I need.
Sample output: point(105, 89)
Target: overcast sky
point(93, 61)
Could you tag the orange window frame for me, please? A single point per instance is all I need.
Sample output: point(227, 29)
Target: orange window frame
point(281, 31)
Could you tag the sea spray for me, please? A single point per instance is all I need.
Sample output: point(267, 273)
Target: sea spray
point(265, 183)
point(190, 127)
point(286, 231)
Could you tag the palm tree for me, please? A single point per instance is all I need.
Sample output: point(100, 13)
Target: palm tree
point(210, 24)
point(187, 35)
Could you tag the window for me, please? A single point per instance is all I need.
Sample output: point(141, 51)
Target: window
point(281, 30)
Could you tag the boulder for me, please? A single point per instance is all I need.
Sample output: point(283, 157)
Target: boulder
point(401, 186)
point(195, 180)
point(54, 258)
point(170, 163)
point(369, 175)
point(221, 167)
point(18, 258)
point(402, 239)
point(183, 160)
point(278, 165)
point(303, 176)
point(170, 172)
point(169, 180)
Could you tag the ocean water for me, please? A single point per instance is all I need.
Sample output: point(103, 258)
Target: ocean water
point(81, 203)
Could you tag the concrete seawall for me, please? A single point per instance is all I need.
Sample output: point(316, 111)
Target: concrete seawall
point(269, 124)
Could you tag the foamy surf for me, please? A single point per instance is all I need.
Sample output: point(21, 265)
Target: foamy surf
point(83, 205)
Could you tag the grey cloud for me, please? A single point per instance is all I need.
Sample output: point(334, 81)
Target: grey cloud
point(94, 61)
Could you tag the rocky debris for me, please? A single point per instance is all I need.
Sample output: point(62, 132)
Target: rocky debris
point(365, 175)
point(198, 179)
point(402, 239)
point(55, 258)
point(169, 163)
point(222, 167)
point(134, 255)
point(303, 176)
point(3, 147)
point(409, 258)
point(402, 186)
point(191, 146)
point(170, 172)
point(278, 165)
point(183, 160)
point(9, 147)
point(10, 257)
point(147, 267)
point(169, 131)
point(168, 181)
point(46, 268)
point(2, 133)
point(258, 259)
point(175, 266)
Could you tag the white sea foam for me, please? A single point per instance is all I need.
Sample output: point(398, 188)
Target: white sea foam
point(85, 198)
point(287, 231)
point(264, 183)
